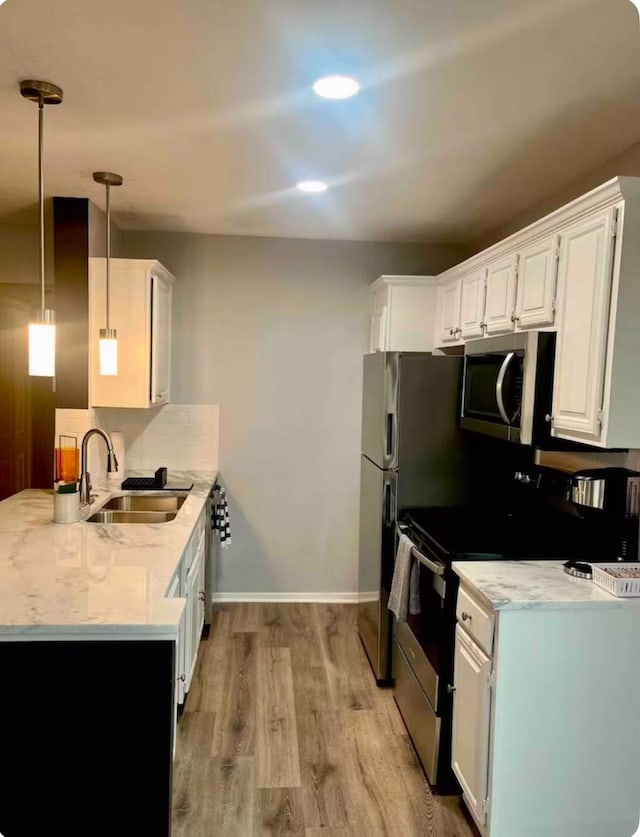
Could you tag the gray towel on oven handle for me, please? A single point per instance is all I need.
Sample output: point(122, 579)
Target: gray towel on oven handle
point(404, 597)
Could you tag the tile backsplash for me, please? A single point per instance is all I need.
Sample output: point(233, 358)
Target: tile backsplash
point(179, 436)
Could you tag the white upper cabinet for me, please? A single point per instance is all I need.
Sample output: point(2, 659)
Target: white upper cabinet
point(501, 295)
point(140, 301)
point(537, 274)
point(403, 314)
point(576, 272)
point(448, 329)
point(161, 293)
point(585, 276)
point(472, 304)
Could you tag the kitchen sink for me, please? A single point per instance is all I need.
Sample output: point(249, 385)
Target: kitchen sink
point(116, 516)
point(146, 503)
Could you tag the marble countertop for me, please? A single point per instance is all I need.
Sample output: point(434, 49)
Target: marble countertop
point(87, 580)
point(526, 585)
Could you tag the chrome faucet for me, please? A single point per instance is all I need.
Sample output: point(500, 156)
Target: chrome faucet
point(85, 478)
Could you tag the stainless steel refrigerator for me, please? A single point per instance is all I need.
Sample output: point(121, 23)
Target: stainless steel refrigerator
point(412, 455)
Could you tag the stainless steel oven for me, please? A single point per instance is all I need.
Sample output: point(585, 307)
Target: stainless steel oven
point(419, 654)
point(507, 387)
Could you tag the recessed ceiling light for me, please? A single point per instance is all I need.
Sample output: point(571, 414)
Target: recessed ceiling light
point(312, 186)
point(336, 87)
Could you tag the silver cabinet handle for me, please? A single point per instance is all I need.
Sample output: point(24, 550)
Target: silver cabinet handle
point(182, 677)
point(500, 384)
point(450, 689)
point(201, 595)
point(466, 617)
point(548, 418)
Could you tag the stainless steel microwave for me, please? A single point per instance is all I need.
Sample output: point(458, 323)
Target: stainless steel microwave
point(507, 386)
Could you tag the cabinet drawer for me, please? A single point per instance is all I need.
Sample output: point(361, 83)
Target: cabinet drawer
point(477, 620)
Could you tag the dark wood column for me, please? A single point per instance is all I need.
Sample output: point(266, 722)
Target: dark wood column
point(71, 265)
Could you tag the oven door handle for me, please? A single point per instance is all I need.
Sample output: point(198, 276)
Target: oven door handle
point(499, 385)
point(435, 566)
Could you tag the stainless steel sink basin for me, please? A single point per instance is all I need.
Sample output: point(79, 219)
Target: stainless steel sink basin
point(146, 503)
point(115, 516)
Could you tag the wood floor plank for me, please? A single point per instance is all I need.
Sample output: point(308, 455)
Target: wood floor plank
point(378, 797)
point(195, 735)
point(278, 813)
point(214, 796)
point(208, 685)
point(245, 617)
point(235, 728)
point(331, 832)
point(322, 762)
point(311, 689)
point(277, 757)
point(349, 683)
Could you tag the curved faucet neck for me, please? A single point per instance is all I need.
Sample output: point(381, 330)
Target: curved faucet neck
point(112, 462)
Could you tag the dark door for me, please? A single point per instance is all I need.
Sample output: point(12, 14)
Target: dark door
point(15, 404)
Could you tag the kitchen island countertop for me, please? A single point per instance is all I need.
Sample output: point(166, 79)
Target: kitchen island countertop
point(92, 580)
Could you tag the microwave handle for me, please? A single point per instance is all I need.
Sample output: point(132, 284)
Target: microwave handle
point(500, 383)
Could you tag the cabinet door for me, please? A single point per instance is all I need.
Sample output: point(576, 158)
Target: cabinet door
point(472, 304)
point(449, 297)
point(378, 331)
point(584, 282)
point(181, 676)
point(501, 295)
point(195, 611)
point(537, 274)
point(160, 341)
point(471, 719)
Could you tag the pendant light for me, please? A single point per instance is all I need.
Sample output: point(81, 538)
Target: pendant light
point(108, 336)
point(42, 329)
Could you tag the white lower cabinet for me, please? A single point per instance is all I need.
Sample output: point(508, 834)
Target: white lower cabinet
point(471, 704)
point(194, 593)
point(534, 751)
point(189, 583)
point(174, 592)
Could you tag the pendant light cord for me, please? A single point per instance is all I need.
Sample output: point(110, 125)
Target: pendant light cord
point(108, 256)
point(41, 193)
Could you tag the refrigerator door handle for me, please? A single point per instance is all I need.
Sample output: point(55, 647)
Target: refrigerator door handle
point(387, 504)
point(390, 429)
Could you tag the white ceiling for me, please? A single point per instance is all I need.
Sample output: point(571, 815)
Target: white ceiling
point(471, 110)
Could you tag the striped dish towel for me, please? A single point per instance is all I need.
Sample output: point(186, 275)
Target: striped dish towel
point(220, 522)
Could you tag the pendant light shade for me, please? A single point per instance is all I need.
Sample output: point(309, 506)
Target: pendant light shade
point(108, 345)
point(42, 328)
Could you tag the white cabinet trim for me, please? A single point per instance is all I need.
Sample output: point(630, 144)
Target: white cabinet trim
point(596, 200)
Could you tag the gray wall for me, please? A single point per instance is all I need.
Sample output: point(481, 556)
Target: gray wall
point(626, 163)
point(274, 331)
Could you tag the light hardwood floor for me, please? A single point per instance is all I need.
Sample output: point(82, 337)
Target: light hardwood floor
point(285, 733)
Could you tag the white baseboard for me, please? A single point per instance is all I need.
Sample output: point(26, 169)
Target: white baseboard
point(309, 598)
